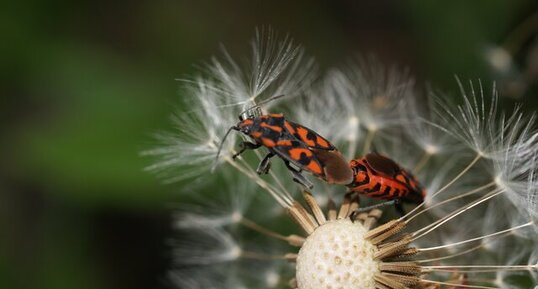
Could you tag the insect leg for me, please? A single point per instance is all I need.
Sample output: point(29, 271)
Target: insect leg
point(246, 146)
point(396, 202)
point(265, 164)
point(399, 207)
point(298, 177)
point(366, 209)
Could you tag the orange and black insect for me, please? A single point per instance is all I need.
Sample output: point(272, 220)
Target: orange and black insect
point(296, 145)
point(379, 177)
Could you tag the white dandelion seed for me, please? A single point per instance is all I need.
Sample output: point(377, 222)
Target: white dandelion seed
point(373, 93)
point(214, 101)
point(186, 152)
point(532, 195)
point(205, 246)
point(277, 66)
point(418, 114)
point(477, 123)
point(218, 209)
point(318, 108)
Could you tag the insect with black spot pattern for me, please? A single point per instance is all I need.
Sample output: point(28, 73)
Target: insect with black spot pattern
point(295, 144)
point(377, 176)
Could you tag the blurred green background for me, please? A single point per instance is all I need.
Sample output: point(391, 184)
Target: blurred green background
point(86, 83)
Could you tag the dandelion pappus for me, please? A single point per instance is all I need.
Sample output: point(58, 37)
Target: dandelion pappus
point(379, 177)
point(295, 144)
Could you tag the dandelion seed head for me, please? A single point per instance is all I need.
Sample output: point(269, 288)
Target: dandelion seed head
point(515, 173)
point(205, 246)
point(372, 91)
point(216, 210)
point(338, 256)
point(317, 110)
point(478, 165)
point(418, 117)
point(473, 122)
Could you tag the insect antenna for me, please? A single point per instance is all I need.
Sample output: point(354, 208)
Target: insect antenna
point(241, 118)
point(222, 143)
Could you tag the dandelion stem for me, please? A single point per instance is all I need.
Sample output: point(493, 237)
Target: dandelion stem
point(353, 137)
point(459, 196)
point(461, 253)
point(477, 238)
point(252, 225)
point(479, 268)
point(467, 168)
point(352, 146)
point(282, 200)
point(456, 285)
point(261, 256)
point(279, 183)
point(422, 162)
point(455, 213)
point(368, 142)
